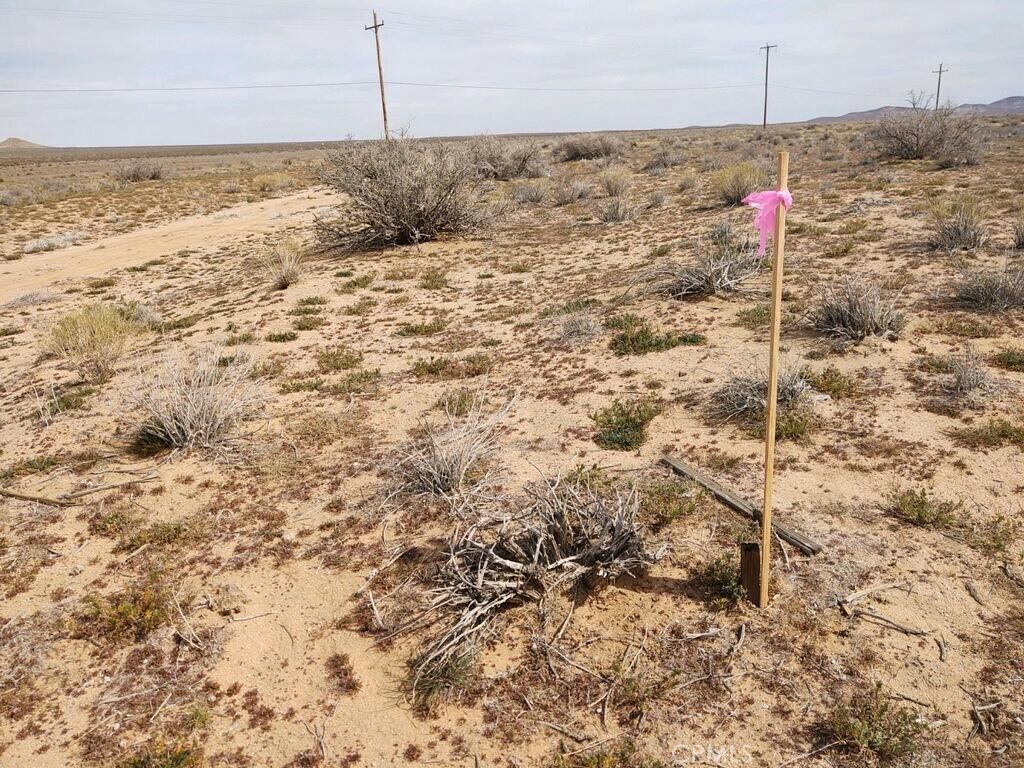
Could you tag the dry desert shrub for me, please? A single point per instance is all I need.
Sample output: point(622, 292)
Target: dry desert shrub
point(969, 378)
point(271, 182)
point(579, 328)
point(570, 191)
point(283, 263)
point(617, 210)
point(197, 401)
point(1018, 234)
point(614, 182)
point(505, 159)
point(52, 242)
point(854, 309)
point(446, 461)
point(586, 146)
point(402, 192)
point(920, 133)
point(732, 184)
point(139, 170)
point(93, 339)
point(745, 396)
point(528, 192)
point(722, 264)
point(991, 290)
point(958, 224)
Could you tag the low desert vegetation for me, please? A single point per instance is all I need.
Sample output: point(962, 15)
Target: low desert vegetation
point(579, 328)
point(854, 309)
point(586, 146)
point(93, 340)
point(744, 399)
point(505, 159)
point(1011, 359)
point(868, 721)
point(730, 185)
point(194, 401)
point(969, 379)
point(720, 265)
point(402, 192)
point(991, 290)
point(622, 426)
point(922, 132)
point(283, 263)
point(617, 210)
point(614, 182)
point(957, 224)
point(446, 461)
point(570, 191)
point(636, 336)
point(131, 173)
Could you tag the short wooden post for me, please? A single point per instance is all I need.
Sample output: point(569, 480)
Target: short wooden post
point(750, 570)
point(778, 252)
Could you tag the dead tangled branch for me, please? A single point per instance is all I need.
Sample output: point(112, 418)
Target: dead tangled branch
point(567, 535)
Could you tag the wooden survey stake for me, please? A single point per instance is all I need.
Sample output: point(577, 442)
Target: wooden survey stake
point(778, 252)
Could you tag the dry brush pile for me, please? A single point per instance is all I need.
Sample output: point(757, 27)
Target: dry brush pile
point(567, 535)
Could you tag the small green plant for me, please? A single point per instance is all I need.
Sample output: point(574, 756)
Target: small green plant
point(721, 580)
point(308, 322)
point(164, 756)
point(362, 308)
point(834, 383)
point(456, 402)
point(130, 615)
point(957, 224)
point(869, 722)
point(356, 383)
point(664, 501)
point(1010, 359)
point(432, 683)
point(622, 426)
point(995, 433)
point(433, 279)
point(282, 336)
point(425, 328)
point(341, 358)
point(636, 336)
point(754, 318)
point(236, 339)
point(292, 386)
point(353, 285)
point(920, 508)
point(626, 755)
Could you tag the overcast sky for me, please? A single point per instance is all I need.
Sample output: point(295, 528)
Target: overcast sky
point(834, 56)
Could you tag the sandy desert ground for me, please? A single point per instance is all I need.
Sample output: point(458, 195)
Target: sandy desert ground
point(238, 606)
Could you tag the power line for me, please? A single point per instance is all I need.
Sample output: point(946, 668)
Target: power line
point(542, 89)
point(938, 88)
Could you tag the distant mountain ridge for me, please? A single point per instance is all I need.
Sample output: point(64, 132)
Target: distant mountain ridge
point(1011, 105)
point(15, 143)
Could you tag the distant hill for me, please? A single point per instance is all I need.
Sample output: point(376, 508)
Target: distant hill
point(13, 143)
point(1011, 105)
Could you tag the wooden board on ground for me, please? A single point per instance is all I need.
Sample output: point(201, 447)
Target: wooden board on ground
point(734, 502)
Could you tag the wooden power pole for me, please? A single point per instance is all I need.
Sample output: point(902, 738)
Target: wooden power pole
point(767, 50)
point(380, 71)
point(938, 88)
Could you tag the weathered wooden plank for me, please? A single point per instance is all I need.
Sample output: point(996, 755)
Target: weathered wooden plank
point(734, 502)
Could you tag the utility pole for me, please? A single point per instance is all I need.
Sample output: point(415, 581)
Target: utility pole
point(767, 50)
point(380, 71)
point(938, 88)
